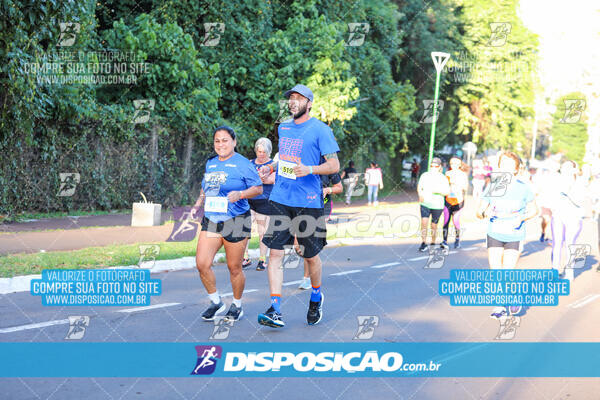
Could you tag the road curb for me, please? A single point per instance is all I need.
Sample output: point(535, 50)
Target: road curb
point(22, 283)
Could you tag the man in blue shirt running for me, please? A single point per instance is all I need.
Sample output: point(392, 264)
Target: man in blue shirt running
point(297, 200)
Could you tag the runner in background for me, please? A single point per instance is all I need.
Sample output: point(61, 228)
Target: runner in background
point(230, 179)
point(542, 183)
point(568, 210)
point(432, 188)
point(455, 201)
point(350, 178)
point(374, 182)
point(414, 172)
point(332, 184)
point(507, 207)
point(259, 205)
point(479, 179)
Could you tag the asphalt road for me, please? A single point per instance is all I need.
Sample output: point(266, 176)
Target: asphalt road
point(386, 280)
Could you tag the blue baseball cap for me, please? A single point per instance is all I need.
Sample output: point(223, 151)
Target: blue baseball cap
point(303, 90)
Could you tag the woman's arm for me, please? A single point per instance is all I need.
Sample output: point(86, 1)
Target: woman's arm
point(249, 193)
point(531, 211)
point(269, 180)
point(198, 203)
point(481, 209)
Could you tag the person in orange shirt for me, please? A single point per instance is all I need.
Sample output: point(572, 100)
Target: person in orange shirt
point(455, 201)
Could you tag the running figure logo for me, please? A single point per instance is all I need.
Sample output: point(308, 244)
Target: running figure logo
point(68, 183)
point(573, 111)
point(436, 259)
point(148, 254)
point(578, 254)
point(499, 182)
point(77, 326)
point(212, 33)
point(68, 34)
point(207, 359)
point(185, 228)
point(508, 327)
point(428, 111)
point(142, 112)
point(221, 329)
point(366, 327)
point(500, 31)
point(357, 33)
point(292, 256)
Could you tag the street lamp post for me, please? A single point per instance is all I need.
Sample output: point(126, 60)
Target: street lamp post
point(439, 60)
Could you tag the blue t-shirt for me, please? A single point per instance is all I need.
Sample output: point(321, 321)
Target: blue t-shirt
point(222, 177)
point(304, 143)
point(510, 208)
point(266, 188)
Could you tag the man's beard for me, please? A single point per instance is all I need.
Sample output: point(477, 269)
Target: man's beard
point(301, 111)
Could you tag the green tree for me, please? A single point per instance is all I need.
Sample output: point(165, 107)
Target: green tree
point(569, 126)
point(498, 75)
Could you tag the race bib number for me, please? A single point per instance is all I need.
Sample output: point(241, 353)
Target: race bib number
point(216, 204)
point(286, 169)
point(505, 226)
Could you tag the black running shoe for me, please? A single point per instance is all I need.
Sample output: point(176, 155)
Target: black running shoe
point(213, 310)
point(234, 313)
point(246, 262)
point(423, 247)
point(457, 244)
point(444, 245)
point(271, 318)
point(260, 266)
point(542, 238)
point(315, 311)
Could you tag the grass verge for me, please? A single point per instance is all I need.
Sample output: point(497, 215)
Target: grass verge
point(93, 257)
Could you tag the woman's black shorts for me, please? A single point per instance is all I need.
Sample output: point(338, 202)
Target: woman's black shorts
point(232, 230)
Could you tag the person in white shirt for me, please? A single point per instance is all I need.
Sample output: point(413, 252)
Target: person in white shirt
point(374, 181)
point(568, 210)
point(432, 188)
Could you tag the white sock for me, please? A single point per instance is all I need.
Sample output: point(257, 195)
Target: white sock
point(237, 302)
point(214, 297)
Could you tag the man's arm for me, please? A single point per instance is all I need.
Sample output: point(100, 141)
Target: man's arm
point(331, 165)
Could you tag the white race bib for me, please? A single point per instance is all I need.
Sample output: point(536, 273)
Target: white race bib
point(504, 226)
point(216, 204)
point(286, 169)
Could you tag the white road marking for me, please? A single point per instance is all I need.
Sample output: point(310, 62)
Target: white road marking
point(245, 291)
point(352, 271)
point(586, 300)
point(469, 248)
point(34, 326)
point(418, 258)
point(292, 282)
point(144, 308)
point(385, 265)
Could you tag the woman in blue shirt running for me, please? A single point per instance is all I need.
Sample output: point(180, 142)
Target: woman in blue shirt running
point(508, 203)
point(230, 179)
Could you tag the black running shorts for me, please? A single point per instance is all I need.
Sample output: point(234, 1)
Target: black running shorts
point(232, 230)
point(491, 242)
point(306, 224)
point(435, 214)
